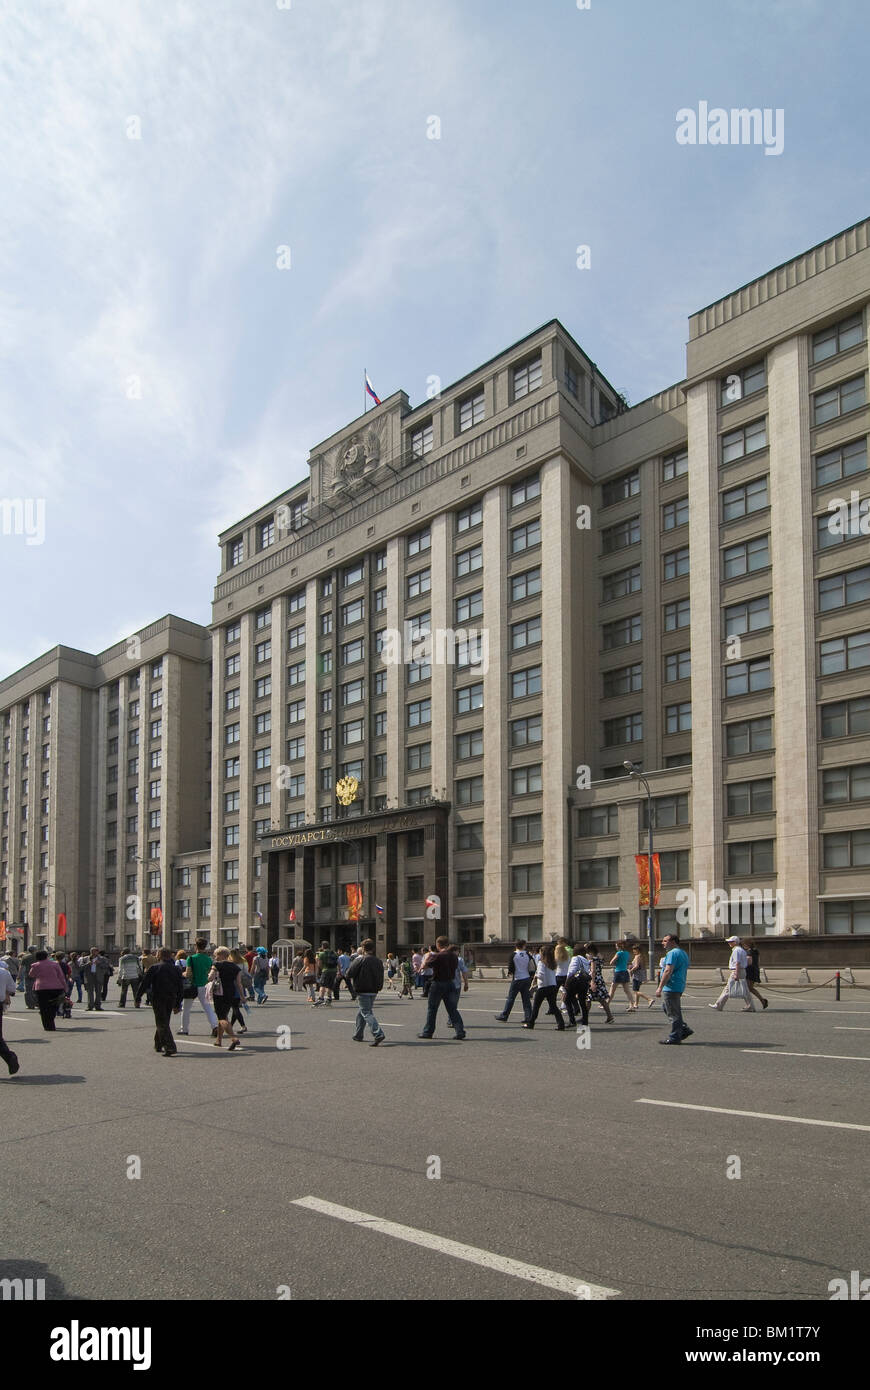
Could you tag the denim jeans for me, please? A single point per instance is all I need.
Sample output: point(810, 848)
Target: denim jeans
point(366, 1016)
point(522, 988)
point(673, 1009)
point(260, 982)
point(447, 991)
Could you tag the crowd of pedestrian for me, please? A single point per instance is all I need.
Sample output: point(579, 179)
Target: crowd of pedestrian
point(226, 981)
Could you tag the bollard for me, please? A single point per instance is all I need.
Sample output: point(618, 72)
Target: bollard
point(837, 987)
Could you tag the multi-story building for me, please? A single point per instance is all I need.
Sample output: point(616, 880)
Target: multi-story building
point(433, 659)
point(105, 777)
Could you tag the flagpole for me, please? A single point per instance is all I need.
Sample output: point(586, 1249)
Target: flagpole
point(365, 392)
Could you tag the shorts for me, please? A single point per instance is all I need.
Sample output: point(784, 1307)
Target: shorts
point(327, 978)
point(222, 1005)
point(620, 977)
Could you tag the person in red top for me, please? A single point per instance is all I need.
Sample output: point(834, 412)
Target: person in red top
point(49, 986)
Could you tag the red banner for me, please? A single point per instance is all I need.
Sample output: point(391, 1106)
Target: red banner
point(354, 901)
point(3, 929)
point(61, 924)
point(156, 919)
point(642, 862)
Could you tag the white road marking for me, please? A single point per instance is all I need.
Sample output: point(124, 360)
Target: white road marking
point(752, 1114)
point(830, 1056)
point(547, 1278)
point(850, 1028)
point(350, 1021)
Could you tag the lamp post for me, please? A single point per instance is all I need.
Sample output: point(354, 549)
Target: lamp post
point(635, 770)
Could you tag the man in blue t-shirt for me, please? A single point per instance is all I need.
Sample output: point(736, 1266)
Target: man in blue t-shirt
point(672, 982)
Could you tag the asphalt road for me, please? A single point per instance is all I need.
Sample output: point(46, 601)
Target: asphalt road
point(549, 1155)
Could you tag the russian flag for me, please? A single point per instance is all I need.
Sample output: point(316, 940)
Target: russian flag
point(371, 390)
point(379, 909)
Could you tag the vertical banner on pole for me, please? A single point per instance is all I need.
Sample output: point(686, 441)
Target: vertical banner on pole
point(642, 863)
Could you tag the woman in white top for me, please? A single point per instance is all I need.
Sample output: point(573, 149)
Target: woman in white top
point(546, 982)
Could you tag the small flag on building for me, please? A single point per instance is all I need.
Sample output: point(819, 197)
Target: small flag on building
point(370, 390)
point(379, 910)
point(291, 916)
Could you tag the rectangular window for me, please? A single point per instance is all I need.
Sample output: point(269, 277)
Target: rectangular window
point(843, 590)
point(353, 574)
point(469, 561)
point(846, 717)
point(527, 830)
point(668, 811)
point(469, 883)
point(469, 745)
point(621, 488)
point(231, 801)
point(845, 918)
point(676, 615)
point(839, 400)
point(527, 878)
point(526, 682)
point(527, 731)
point(296, 785)
point(232, 835)
point(525, 537)
point(296, 636)
point(263, 651)
point(353, 731)
point(233, 733)
point(353, 651)
point(296, 601)
point(675, 465)
point(674, 866)
point(848, 849)
point(469, 606)
point(236, 550)
point(525, 585)
point(469, 835)
point(353, 612)
point(469, 791)
point(470, 411)
point(676, 563)
point(746, 677)
point(622, 632)
point(525, 634)
point(263, 791)
point(840, 336)
point(527, 377)
point(620, 536)
point(233, 699)
point(675, 514)
point(379, 724)
point(418, 757)
point(750, 616)
point(353, 692)
point(422, 440)
point(747, 439)
point(232, 665)
point(262, 758)
point(380, 600)
point(231, 767)
point(746, 557)
point(418, 542)
point(598, 873)
point(850, 653)
point(526, 490)
point(749, 736)
point(749, 798)
point(379, 765)
point(845, 461)
point(525, 780)
point(296, 673)
point(745, 499)
point(418, 583)
point(678, 666)
point(469, 517)
point(263, 619)
point(750, 857)
point(598, 820)
point(418, 712)
point(627, 728)
point(620, 583)
point(678, 718)
point(742, 383)
point(469, 697)
point(263, 687)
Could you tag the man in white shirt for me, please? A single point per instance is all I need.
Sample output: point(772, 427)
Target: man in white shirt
point(521, 969)
point(735, 985)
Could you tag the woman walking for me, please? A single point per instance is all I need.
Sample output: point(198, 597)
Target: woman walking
point(621, 976)
point(225, 972)
point(260, 974)
point(239, 1000)
point(637, 971)
point(49, 986)
point(597, 987)
point(274, 968)
point(309, 976)
point(753, 975)
point(546, 982)
point(407, 978)
point(76, 973)
point(563, 958)
point(296, 968)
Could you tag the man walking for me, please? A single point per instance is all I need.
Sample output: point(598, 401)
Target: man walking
point(95, 973)
point(672, 982)
point(25, 981)
point(165, 985)
point(365, 976)
point(735, 985)
point(344, 964)
point(7, 994)
point(327, 960)
point(521, 968)
point(443, 964)
point(576, 989)
point(198, 967)
point(129, 975)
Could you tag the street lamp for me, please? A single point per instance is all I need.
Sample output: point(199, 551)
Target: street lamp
point(635, 770)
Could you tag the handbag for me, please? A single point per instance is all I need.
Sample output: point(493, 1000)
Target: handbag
point(214, 988)
point(190, 991)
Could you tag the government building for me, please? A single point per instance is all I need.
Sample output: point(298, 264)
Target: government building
point(430, 662)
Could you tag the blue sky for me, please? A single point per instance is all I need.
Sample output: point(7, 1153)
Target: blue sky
point(162, 377)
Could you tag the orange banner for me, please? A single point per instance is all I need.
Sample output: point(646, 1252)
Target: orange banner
point(156, 919)
point(642, 862)
point(61, 924)
point(3, 930)
point(354, 901)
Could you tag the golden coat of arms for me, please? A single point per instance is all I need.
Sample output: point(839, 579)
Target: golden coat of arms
point(346, 790)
